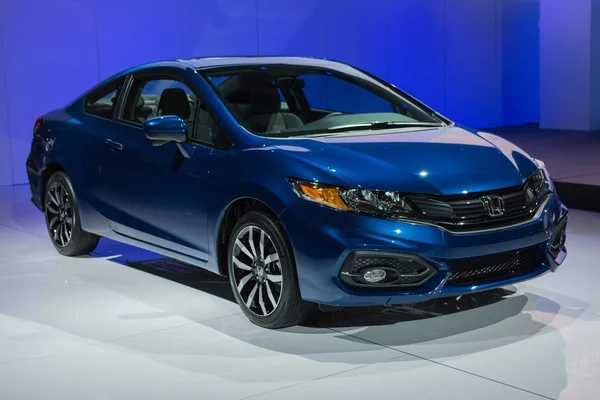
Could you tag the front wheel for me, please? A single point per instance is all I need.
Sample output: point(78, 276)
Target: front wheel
point(62, 218)
point(262, 272)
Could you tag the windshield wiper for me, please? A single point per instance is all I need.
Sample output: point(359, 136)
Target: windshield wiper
point(383, 125)
point(350, 127)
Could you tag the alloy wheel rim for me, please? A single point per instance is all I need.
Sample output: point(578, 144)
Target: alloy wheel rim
point(257, 271)
point(59, 214)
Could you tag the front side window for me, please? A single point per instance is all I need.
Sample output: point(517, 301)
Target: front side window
point(103, 101)
point(288, 100)
point(153, 97)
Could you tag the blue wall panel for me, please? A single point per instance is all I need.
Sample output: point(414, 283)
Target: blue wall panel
point(595, 67)
point(137, 33)
point(416, 36)
point(520, 61)
point(473, 62)
point(357, 33)
point(295, 28)
point(49, 59)
point(565, 38)
point(6, 174)
point(218, 27)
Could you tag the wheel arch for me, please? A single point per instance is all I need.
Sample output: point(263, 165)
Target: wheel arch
point(50, 169)
point(232, 213)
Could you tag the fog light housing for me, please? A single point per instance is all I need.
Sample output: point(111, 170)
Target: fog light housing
point(374, 275)
point(559, 238)
point(372, 270)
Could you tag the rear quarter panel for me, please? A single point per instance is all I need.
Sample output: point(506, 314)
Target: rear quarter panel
point(70, 141)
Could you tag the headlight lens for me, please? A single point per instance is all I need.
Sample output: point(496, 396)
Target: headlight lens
point(538, 186)
point(379, 203)
point(376, 202)
point(322, 194)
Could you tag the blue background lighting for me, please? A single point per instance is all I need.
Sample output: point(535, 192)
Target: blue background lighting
point(476, 61)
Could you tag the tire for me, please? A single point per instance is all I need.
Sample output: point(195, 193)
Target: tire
point(264, 268)
point(62, 218)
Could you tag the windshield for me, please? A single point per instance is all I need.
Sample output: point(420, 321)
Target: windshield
point(288, 100)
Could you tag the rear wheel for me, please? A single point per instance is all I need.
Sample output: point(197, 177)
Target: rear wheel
point(262, 272)
point(62, 218)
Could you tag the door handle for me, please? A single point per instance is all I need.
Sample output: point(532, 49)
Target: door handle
point(113, 144)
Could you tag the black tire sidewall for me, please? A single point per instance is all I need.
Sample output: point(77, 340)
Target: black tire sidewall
point(78, 233)
point(290, 295)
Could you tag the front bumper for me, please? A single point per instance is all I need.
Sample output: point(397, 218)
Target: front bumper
point(322, 240)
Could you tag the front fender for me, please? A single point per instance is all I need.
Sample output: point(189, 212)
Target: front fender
point(254, 192)
point(261, 173)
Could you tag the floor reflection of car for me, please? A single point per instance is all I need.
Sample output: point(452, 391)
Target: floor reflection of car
point(305, 181)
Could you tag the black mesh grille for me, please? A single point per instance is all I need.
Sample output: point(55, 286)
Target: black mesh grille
point(463, 213)
point(492, 268)
point(401, 265)
point(407, 269)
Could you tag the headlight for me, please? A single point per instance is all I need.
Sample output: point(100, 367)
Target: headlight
point(392, 205)
point(388, 204)
point(378, 203)
point(538, 186)
point(322, 194)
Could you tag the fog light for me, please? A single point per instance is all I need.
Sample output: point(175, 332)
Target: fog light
point(374, 275)
point(370, 270)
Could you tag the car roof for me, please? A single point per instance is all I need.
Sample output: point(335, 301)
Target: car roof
point(232, 61)
point(208, 62)
point(215, 62)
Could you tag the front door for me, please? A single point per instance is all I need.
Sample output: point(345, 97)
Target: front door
point(156, 195)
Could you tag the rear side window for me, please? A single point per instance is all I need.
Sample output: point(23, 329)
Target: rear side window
point(103, 101)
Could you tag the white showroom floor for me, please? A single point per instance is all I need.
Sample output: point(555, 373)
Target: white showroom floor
point(95, 328)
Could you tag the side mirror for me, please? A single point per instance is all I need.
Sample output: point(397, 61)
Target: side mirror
point(169, 128)
point(165, 129)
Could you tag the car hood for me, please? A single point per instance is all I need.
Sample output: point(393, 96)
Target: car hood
point(450, 160)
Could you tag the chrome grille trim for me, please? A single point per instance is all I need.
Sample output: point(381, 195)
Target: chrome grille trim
point(536, 216)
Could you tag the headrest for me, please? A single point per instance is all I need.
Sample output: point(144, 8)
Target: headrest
point(174, 101)
point(293, 83)
point(241, 95)
point(140, 102)
point(266, 99)
point(242, 109)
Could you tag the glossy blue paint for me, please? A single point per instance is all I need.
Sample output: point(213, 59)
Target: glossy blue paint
point(147, 196)
point(444, 52)
point(169, 124)
point(436, 161)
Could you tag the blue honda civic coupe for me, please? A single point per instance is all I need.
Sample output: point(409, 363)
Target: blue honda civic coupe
point(304, 181)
